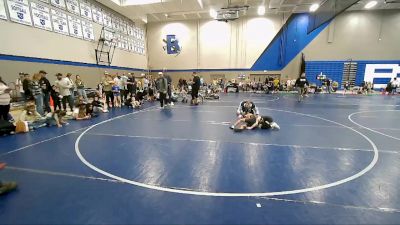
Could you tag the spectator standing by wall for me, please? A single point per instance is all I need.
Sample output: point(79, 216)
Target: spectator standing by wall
point(108, 82)
point(195, 88)
point(72, 89)
point(37, 93)
point(80, 88)
point(55, 95)
point(25, 86)
point(46, 89)
point(19, 86)
point(395, 84)
point(4, 100)
point(131, 84)
point(124, 88)
point(162, 87)
point(64, 87)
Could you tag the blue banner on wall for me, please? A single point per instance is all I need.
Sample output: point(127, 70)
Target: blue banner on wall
point(378, 72)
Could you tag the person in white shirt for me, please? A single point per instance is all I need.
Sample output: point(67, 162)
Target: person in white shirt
point(395, 84)
point(18, 85)
point(65, 85)
point(124, 87)
point(4, 100)
point(145, 82)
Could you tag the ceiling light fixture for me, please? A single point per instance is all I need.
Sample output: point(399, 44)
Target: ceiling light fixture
point(371, 4)
point(261, 10)
point(314, 7)
point(213, 13)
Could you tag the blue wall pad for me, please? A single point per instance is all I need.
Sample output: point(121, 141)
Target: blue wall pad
point(61, 62)
point(334, 70)
point(287, 44)
point(200, 70)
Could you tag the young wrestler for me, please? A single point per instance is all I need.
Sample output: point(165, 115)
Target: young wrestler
point(264, 122)
point(251, 121)
point(245, 121)
point(56, 118)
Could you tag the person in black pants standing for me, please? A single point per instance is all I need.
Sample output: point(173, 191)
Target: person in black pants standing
point(195, 88)
point(302, 84)
point(46, 89)
point(162, 87)
point(169, 90)
point(26, 83)
point(131, 84)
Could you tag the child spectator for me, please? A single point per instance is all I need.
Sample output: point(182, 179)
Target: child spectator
point(97, 105)
point(117, 95)
point(56, 118)
point(55, 95)
point(81, 108)
point(32, 117)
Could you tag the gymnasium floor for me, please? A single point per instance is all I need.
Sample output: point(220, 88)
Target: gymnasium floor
point(336, 160)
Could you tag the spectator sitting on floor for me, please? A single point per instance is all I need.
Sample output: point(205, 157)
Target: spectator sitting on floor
point(81, 113)
point(90, 112)
point(56, 118)
point(97, 105)
point(133, 102)
point(32, 117)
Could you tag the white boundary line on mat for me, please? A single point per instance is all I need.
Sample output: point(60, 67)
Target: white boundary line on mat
point(53, 173)
point(367, 128)
point(232, 194)
point(43, 141)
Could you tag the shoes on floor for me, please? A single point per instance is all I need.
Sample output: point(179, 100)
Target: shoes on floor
point(275, 126)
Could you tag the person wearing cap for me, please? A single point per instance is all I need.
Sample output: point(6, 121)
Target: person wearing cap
point(46, 89)
point(64, 87)
point(18, 85)
point(162, 87)
point(108, 82)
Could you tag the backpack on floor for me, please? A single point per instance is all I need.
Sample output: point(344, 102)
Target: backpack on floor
point(6, 127)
